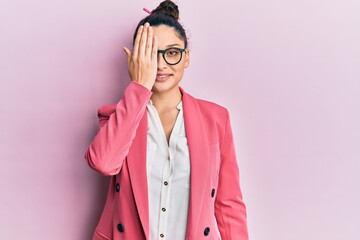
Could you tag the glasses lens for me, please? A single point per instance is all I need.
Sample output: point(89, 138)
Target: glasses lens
point(172, 55)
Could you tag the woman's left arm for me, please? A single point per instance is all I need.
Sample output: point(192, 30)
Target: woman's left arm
point(230, 210)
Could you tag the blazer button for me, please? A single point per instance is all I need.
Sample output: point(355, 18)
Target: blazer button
point(120, 227)
point(117, 187)
point(206, 231)
point(213, 192)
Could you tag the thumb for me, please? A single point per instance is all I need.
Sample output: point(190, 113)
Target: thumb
point(128, 53)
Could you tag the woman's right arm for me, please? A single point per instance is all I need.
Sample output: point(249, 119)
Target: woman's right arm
point(111, 144)
point(113, 140)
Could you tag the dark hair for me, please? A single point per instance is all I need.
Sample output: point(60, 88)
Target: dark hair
point(167, 13)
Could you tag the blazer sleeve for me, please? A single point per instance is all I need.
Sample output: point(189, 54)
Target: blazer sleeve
point(230, 210)
point(117, 130)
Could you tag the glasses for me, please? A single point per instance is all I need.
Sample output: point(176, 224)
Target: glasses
point(172, 56)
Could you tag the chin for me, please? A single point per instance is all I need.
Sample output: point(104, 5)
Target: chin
point(161, 87)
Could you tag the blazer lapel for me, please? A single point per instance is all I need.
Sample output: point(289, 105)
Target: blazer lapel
point(138, 176)
point(199, 160)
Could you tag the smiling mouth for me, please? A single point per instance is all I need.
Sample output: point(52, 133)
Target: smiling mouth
point(162, 77)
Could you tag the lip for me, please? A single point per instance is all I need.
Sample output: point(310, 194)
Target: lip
point(161, 77)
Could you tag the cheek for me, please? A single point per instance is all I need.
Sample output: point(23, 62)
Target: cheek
point(176, 68)
point(179, 68)
point(179, 71)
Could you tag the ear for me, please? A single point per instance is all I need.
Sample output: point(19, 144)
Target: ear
point(187, 58)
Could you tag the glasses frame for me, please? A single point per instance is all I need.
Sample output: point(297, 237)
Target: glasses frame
point(181, 50)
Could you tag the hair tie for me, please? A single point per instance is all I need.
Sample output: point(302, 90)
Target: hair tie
point(147, 10)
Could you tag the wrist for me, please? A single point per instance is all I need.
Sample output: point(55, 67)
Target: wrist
point(144, 84)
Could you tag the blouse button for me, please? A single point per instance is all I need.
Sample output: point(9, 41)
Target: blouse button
point(163, 209)
point(166, 183)
point(162, 235)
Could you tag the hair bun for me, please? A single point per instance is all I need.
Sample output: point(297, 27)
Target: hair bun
point(169, 8)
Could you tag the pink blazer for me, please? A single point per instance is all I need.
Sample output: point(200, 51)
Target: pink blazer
point(119, 150)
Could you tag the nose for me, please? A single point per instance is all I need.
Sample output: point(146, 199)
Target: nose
point(161, 61)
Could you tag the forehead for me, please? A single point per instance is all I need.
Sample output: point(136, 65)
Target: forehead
point(167, 36)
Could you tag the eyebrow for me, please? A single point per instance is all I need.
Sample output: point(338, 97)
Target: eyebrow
point(173, 45)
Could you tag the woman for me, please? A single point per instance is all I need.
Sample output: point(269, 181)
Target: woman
point(171, 156)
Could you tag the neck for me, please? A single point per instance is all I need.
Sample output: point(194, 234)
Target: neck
point(166, 100)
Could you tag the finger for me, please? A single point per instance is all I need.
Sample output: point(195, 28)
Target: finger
point(154, 52)
point(149, 43)
point(143, 40)
point(137, 40)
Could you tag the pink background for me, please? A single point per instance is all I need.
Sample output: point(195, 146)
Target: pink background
point(288, 71)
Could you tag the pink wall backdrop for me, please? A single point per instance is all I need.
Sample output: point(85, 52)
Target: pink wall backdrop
point(288, 71)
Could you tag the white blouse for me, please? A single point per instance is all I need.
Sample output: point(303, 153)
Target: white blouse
point(168, 177)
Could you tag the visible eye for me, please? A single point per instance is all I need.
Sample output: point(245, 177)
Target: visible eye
point(172, 52)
